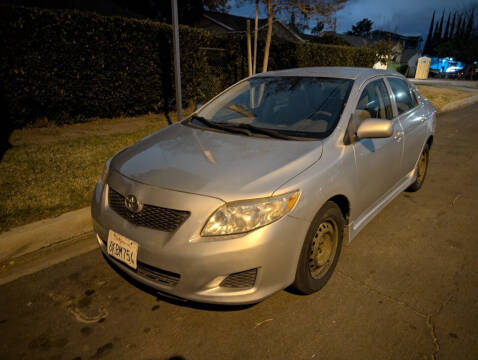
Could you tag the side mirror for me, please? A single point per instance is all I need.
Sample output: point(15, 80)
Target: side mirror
point(375, 128)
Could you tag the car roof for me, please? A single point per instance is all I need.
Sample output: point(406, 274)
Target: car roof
point(353, 73)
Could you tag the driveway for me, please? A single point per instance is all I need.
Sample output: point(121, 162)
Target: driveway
point(405, 288)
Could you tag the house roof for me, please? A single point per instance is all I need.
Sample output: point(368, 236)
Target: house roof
point(376, 35)
point(231, 22)
point(381, 34)
point(353, 40)
point(236, 23)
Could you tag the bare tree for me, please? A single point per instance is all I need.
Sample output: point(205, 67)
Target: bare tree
point(319, 10)
point(323, 10)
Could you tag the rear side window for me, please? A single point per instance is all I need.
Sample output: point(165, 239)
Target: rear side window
point(374, 102)
point(403, 95)
point(416, 96)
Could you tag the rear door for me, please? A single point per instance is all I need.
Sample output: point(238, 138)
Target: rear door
point(411, 115)
point(378, 161)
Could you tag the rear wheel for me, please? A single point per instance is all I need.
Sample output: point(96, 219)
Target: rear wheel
point(321, 249)
point(421, 169)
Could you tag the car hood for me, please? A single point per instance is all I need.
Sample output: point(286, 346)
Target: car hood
point(226, 166)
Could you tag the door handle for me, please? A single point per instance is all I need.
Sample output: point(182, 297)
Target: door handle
point(423, 118)
point(398, 136)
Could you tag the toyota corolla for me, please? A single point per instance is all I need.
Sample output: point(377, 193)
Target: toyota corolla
point(259, 188)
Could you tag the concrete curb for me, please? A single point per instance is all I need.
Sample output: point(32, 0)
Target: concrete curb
point(459, 103)
point(32, 237)
point(48, 256)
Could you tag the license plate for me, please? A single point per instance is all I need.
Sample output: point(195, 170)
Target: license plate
point(123, 249)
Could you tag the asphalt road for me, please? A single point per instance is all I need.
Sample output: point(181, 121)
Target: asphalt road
point(405, 288)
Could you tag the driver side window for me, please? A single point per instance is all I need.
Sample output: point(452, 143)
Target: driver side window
point(374, 102)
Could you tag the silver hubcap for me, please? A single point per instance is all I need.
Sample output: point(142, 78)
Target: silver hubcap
point(323, 249)
point(422, 167)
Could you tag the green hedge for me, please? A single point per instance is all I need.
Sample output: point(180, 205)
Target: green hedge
point(310, 54)
point(71, 65)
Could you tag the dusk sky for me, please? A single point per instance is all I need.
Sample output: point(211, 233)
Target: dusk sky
point(406, 17)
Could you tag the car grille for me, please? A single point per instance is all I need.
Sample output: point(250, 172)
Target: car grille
point(153, 217)
point(243, 279)
point(161, 276)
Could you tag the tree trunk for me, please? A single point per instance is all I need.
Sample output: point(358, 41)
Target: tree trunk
point(249, 56)
point(270, 17)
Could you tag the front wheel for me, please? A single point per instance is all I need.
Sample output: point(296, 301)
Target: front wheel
point(321, 249)
point(421, 169)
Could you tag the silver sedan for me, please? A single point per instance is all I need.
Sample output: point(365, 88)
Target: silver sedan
point(259, 188)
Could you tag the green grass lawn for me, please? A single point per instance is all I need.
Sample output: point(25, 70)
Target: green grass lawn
point(48, 172)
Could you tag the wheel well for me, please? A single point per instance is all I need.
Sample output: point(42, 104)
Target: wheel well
point(430, 142)
point(344, 205)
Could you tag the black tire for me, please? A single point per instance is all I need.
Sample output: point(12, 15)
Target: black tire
point(423, 172)
point(310, 276)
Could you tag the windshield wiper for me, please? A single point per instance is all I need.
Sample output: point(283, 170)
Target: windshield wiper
point(256, 129)
point(220, 126)
point(241, 128)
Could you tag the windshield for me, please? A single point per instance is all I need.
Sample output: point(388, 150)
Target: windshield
point(293, 106)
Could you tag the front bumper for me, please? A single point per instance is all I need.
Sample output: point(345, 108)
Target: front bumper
point(202, 263)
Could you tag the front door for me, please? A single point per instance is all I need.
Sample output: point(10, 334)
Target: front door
point(378, 161)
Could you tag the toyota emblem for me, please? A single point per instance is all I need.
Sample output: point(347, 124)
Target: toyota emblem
point(132, 204)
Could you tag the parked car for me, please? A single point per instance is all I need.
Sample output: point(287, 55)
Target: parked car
point(259, 188)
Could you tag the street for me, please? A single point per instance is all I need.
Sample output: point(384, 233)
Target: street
point(405, 288)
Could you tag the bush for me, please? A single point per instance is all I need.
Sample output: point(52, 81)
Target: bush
point(401, 68)
point(310, 54)
point(69, 65)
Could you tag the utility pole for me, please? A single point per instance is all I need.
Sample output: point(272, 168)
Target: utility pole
point(256, 26)
point(177, 63)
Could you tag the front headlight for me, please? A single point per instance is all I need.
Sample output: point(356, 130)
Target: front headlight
point(106, 169)
point(243, 216)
